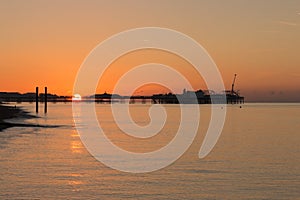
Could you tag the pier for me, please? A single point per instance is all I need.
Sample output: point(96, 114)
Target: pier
point(170, 98)
point(186, 97)
point(109, 98)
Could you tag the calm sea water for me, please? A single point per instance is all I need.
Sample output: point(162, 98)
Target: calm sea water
point(256, 157)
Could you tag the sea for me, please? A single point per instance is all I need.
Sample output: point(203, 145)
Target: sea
point(256, 157)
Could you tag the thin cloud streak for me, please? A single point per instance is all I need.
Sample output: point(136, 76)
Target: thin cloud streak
point(287, 23)
point(268, 31)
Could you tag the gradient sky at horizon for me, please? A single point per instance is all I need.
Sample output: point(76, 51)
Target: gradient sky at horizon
point(43, 43)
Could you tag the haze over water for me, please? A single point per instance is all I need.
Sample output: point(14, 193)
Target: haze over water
point(256, 157)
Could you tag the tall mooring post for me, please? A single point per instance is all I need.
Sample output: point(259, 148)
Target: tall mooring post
point(37, 99)
point(45, 108)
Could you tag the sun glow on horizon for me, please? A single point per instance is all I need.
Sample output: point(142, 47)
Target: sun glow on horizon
point(76, 97)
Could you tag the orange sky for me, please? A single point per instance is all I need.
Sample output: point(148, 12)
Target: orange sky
point(136, 58)
point(43, 43)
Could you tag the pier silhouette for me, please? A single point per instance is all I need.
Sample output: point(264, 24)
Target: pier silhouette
point(187, 97)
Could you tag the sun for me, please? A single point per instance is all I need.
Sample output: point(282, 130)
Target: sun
point(76, 97)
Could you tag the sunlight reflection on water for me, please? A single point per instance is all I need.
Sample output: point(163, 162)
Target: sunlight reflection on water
point(256, 157)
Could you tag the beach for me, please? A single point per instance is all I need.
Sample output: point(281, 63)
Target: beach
point(9, 112)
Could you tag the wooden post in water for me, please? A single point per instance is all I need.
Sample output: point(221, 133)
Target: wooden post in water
point(45, 100)
point(37, 99)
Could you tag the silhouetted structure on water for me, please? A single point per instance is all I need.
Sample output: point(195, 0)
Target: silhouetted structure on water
point(187, 97)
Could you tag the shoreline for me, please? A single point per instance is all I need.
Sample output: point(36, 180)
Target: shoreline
point(9, 112)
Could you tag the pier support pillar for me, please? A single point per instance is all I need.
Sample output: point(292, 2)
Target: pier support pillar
point(45, 108)
point(37, 99)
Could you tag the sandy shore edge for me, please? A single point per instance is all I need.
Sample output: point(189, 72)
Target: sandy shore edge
point(9, 112)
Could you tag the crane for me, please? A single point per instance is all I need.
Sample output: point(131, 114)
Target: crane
point(232, 86)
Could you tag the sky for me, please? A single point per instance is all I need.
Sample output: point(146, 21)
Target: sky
point(44, 43)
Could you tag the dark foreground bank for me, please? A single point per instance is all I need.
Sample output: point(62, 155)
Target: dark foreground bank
point(9, 112)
